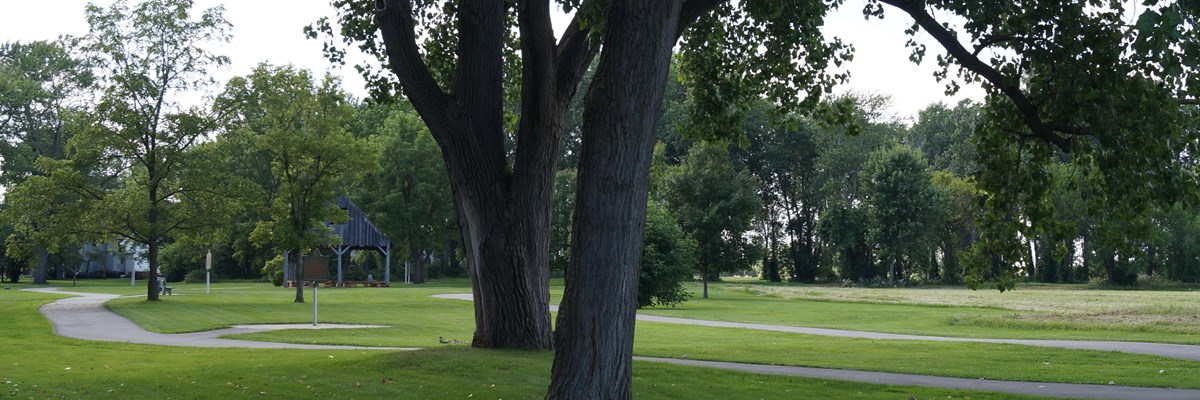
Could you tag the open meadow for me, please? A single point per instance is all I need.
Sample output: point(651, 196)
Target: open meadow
point(42, 365)
point(1029, 312)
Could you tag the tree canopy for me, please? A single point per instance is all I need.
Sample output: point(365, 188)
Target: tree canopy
point(41, 85)
point(297, 127)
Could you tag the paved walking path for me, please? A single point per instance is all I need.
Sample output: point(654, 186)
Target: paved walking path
point(1182, 351)
point(85, 317)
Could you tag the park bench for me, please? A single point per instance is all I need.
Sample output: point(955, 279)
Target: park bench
point(350, 284)
point(163, 289)
point(293, 284)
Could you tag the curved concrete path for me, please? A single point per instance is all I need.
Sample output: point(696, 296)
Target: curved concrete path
point(85, 317)
point(1182, 351)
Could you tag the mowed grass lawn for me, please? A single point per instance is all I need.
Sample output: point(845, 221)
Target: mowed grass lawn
point(1037, 312)
point(417, 320)
point(37, 364)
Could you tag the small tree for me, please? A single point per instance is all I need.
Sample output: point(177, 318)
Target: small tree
point(668, 258)
point(715, 204)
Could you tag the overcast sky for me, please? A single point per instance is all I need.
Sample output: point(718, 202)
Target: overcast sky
point(270, 30)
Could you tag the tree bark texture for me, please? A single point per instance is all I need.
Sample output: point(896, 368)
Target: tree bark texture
point(39, 273)
point(503, 212)
point(153, 240)
point(594, 337)
point(418, 265)
point(152, 289)
point(296, 263)
point(468, 127)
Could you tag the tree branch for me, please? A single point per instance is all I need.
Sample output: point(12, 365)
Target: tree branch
point(538, 53)
point(479, 76)
point(395, 20)
point(574, 53)
point(691, 11)
point(1009, 86)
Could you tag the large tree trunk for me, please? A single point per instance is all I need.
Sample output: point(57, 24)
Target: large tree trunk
point(594, 337)
point(39, 273)
point(468, 126)
point(418, 265)
point(152, 244)
point(511, 310)
point(503, 212)
point(152, 277)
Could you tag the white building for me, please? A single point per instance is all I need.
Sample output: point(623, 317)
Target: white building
point(115, 258)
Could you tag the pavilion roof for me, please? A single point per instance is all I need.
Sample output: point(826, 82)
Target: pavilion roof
point(358, 232)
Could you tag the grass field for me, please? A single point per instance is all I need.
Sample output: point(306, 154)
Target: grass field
point(416, 320)
point(1026, 313)
point(37, 364)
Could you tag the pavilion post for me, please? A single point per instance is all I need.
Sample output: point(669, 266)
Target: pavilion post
point(340, 250)
point(387, 265)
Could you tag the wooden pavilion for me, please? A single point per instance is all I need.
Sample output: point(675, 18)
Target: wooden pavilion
point(357, 233)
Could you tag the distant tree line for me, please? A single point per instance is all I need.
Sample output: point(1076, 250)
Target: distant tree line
point(98, 148)
point(893, 202)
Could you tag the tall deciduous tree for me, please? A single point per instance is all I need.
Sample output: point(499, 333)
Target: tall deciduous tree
point(903, 207)
point(41, 83)
point(148, 55)
point(784, 160)
point(501, 192)
point(299, 128)
point(409, 197)
point(668, 259)
point(943, 134)
point(959, 230)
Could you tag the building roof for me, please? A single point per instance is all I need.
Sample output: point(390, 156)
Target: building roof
point(358, 232)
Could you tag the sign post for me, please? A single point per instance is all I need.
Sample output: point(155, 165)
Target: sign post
point(316, 270)
point(207, 271)
point(132, 269)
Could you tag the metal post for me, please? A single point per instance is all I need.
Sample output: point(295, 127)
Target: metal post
point(406, 278)
point(339, 253)
point(314, 285)
point(207, 271)
point(387, 266)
